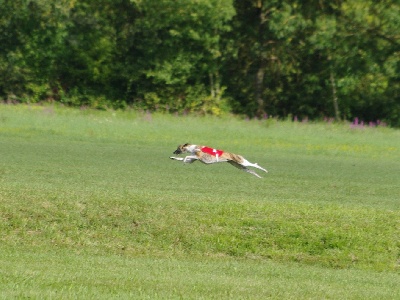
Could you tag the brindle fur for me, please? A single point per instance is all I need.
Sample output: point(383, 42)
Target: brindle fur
point(235, 160)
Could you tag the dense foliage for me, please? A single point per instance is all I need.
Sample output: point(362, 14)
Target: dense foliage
point(312, 59)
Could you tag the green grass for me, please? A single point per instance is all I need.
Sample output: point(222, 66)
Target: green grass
point(91, 207)
point(63, 275)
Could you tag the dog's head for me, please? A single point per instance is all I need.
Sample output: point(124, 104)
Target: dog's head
point(181, 149)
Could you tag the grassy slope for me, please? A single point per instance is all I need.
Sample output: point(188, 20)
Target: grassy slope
point(99, 187)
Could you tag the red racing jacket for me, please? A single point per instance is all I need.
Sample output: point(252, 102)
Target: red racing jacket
point(212, 151)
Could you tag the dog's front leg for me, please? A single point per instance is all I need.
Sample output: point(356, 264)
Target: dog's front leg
point(176, 158)
point(189, 159)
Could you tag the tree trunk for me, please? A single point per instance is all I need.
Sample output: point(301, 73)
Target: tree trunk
point(334, 97)
point(259, 80)
point(212, 85)
point(215, 88)
point(259, 87)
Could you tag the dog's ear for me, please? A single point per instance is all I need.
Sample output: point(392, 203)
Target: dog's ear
point(185, 145)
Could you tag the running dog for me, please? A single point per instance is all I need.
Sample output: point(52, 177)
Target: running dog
point(209, 155)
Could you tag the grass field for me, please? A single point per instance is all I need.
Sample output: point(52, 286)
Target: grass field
point(92, 207)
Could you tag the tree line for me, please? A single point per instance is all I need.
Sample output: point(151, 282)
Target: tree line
point(310, 59)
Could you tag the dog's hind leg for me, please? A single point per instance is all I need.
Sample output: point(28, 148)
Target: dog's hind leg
point(246, 163)
point(251, 172)
point(243, 168)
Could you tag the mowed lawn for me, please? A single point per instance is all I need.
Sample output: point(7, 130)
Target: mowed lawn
point(92, 207)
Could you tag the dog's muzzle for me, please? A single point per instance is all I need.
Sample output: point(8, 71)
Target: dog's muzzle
point(178, 151)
